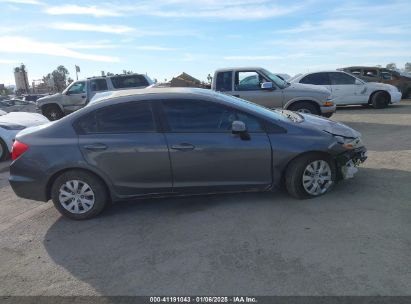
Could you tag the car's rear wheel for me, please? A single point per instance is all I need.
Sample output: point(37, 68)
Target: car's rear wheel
point(310, 175)
point(52, 112)
point(380, 100)
point(79, 195)
point(4, 151)
point(305, 107)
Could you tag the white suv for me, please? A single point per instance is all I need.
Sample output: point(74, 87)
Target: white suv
point(80, 92)
point(346, 89)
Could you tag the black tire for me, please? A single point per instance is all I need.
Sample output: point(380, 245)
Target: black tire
point(305, 107)
point(295, 170)
point(4, 151)
point(328, 115)
point(52, 112)
point(101, 197)
point(380, 100)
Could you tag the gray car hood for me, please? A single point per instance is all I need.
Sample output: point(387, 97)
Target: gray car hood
point(329, 126)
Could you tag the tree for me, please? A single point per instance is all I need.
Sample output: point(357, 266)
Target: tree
point(408, 66)
point(57, 80)
point(209, 78)
point(391, 66)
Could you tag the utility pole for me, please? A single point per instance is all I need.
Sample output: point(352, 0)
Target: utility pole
point(77, 71)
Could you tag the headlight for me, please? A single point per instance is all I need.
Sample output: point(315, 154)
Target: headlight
point(12, 127)
point(328, 101)
point(349, 143)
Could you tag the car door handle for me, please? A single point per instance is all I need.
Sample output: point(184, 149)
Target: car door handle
point(96, 147)
point(236, 95)
point(183, 147)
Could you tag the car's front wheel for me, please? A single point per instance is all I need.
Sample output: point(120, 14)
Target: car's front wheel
point(305, 107)
point(52, 112)
point(380, 100)
point(310, 175)
point(79, 195)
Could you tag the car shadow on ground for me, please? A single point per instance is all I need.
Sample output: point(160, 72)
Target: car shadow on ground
point(404, 108)
point(228, 244)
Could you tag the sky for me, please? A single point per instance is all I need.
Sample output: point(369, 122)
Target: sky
point(163, 38)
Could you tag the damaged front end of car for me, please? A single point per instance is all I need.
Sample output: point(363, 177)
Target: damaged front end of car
point(355, 153)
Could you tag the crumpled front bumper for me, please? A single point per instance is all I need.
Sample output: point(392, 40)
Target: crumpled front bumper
point(348, 162)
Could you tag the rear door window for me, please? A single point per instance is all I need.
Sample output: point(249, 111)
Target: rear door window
point(341, 79)
point(316, 78)
point(129, 81)
point(129, 117)
point(224, 81)
point(97, 85)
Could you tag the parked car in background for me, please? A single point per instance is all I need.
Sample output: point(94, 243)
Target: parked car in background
point(17, 105)
point(11, 124)
point(173, 141)
point(79, 93)
point(264, 88)
point(347, 89)
point(376, 74)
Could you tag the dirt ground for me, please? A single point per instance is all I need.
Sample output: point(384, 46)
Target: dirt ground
point(353, 241)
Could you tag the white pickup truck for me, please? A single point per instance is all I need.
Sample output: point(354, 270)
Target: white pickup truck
point(265, 88)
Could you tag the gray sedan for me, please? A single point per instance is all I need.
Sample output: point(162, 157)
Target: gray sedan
point(178, 141)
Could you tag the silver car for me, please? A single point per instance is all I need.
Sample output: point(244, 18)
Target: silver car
point(267, 89)
point(174, 141)
point(79, 93)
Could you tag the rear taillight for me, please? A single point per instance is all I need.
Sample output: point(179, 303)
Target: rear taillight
point(18, 149)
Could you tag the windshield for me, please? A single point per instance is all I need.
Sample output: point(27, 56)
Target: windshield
point(294, 77)
point(274, 78)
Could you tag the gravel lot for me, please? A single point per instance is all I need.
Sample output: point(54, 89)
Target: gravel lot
point(354, 241)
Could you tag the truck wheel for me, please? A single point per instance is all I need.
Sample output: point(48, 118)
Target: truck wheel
point(328, 115)
point(52, 112)
point(310, 175)
point(305, 107)
point(79, 195)
point(380, 100)
point(4, 151)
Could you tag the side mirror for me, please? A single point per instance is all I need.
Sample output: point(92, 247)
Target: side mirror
point(238, 127)
point(267, 86)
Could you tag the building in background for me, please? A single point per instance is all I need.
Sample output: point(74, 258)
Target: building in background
point(21, 79)
point(185, 80)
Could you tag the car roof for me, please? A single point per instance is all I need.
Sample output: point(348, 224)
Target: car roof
point(365, 67)
point(239, 68)
point(153, 92)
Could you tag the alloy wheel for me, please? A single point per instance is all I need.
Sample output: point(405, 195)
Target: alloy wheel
point(76, 196)
point(317, 177)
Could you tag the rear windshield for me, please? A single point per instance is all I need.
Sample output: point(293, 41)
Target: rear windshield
point(129, 81)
